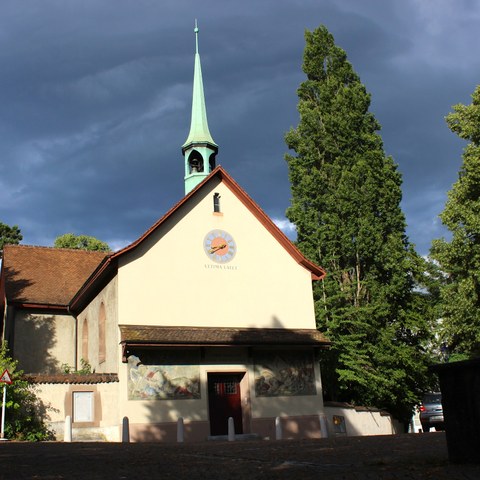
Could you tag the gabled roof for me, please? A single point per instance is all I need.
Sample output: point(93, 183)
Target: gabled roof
point(104, 270)
point(45, 277)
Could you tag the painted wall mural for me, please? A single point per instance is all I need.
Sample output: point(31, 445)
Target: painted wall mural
point(286, 373)
point(166, 380)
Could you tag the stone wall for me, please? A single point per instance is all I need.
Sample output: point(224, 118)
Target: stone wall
point(346, 420)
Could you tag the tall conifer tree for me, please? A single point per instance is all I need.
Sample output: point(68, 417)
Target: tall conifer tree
point(459, 258)
point(345, 204)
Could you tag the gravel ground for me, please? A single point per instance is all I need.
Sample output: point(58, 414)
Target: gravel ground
point(409, 456)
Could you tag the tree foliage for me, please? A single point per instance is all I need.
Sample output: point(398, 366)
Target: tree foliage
point(459, 258)
point(81, 242)
point(24, 412)
point(9, 235)
point(345, 204)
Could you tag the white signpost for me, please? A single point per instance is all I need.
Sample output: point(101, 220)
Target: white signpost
point(5, 378)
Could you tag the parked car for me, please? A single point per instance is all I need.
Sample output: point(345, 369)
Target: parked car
point(431, 412)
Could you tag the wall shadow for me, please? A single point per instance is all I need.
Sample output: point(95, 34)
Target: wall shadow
point(31, 336)
point(35, 337)
point(15, 285)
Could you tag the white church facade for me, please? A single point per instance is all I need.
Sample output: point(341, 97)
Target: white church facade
point(208, 315)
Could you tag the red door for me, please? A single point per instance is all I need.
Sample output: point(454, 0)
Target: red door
point(224, 401)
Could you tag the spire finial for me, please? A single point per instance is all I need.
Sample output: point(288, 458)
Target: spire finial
point(196, 36)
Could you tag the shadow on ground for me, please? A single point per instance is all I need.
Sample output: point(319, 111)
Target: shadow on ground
point(407, 456)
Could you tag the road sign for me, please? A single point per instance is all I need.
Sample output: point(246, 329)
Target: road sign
point(6, 378)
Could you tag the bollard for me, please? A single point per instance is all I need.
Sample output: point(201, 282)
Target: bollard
point(180, 430)
point(231, 429)
point(125, 430)
point(323, 426)
point(278, 428)
point(67, 433)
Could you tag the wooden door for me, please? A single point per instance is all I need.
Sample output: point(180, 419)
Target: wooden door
point(224, 401)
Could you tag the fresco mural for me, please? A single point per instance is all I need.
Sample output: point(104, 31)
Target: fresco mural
point(286, 373)
point(167, 381)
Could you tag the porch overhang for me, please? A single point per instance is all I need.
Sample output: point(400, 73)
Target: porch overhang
point(156, 336)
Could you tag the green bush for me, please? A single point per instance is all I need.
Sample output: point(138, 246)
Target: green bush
point(24, 412)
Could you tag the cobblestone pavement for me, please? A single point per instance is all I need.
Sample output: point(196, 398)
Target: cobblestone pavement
point(409, 456)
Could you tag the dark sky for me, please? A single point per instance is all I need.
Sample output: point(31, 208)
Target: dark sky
point(95, 99)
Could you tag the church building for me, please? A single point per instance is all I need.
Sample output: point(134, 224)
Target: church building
point(208, 315)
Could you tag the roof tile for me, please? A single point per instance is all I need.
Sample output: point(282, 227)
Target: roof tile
point(46, 275)
point(73, 378)
point(144, 335)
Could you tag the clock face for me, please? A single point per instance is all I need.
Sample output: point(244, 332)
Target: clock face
point(219, 246)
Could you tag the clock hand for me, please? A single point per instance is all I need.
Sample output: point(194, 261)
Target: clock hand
point(218, 247)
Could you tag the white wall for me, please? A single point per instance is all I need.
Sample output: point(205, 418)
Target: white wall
point(173, 282)
point(54, 397)
point(361, 421)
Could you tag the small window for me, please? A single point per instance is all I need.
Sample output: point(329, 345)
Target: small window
point(83, 407)
point(231, 388)
point(216, 202)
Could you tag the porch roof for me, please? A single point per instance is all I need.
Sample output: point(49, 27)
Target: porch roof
point(143, 335)
point(71, 378)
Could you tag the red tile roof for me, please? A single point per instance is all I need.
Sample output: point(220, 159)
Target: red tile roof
point(72, 378)
point(46, 276)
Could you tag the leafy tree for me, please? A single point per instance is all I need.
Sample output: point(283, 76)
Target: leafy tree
point(459, 258)
point(24, 412)
point(345, 204)
point(9, 235)
point(81, 242)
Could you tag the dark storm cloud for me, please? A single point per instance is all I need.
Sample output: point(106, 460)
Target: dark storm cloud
point(95, 102)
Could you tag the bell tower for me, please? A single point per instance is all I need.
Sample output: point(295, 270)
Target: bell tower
point(199, 149)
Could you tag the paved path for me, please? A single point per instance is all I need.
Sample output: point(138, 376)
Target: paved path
point(413, 456)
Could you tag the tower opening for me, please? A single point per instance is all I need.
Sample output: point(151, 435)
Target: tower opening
point(195, 162)
point(211, 161)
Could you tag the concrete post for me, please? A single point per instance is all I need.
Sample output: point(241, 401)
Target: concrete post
point(180, 430)
point(125, 430)
point(231, 429)
point(278, 428)
point(67, 432)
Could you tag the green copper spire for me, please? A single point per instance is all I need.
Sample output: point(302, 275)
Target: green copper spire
point(199, 149)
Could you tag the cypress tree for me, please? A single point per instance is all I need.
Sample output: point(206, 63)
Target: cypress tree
point(345, 204)
point(459, 258)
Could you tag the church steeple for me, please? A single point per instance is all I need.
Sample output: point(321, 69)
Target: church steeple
point(199, 149)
